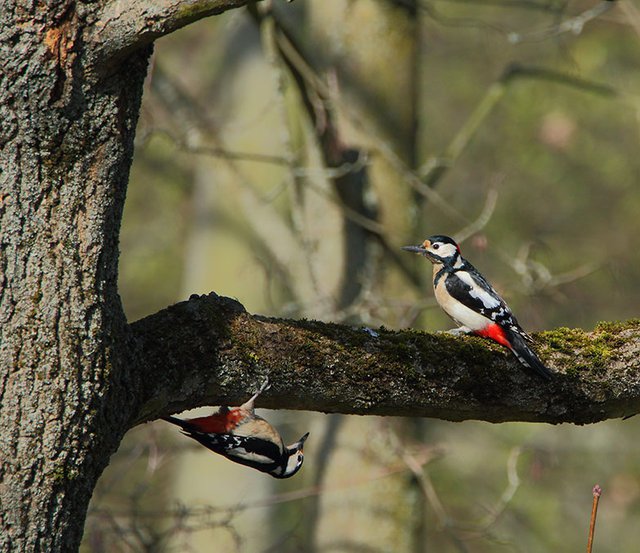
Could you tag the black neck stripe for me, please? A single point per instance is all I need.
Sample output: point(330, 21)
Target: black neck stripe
point(447, 267)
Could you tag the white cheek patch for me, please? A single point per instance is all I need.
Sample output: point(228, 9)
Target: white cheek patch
point(293, 462)
point(444, 250)
point(449, 250)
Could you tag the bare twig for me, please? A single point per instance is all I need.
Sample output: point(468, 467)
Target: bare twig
point(445, 522)
point(573, 25)
point(632, 13)
point(436, 167)
point(483, 218)
point(204, 514)
point(507, 495)
point(536, 276)
point(349, 187)
point(597, 491)
point(533, 5)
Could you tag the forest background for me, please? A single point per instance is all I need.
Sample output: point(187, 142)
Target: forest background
point(284, 154)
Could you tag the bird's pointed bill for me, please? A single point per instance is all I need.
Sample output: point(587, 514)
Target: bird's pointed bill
point(299, 445)
point(414, 249)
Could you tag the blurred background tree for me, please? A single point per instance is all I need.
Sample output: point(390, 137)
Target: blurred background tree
point(285, 153)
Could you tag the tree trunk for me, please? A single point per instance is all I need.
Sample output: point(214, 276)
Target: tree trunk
point(70, 90)
point(66, 360)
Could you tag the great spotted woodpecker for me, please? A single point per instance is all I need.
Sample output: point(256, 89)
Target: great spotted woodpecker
point(471, 301)
point(240, 435)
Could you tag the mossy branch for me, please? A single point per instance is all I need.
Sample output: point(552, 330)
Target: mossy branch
point(210, 351)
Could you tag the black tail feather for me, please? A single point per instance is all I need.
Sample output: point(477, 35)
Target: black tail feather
point(528, 357)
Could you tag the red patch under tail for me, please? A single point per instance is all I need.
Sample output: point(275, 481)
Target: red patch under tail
point(496, 333)
point(223, 421)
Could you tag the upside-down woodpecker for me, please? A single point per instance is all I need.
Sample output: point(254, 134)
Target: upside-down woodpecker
point(241, 436)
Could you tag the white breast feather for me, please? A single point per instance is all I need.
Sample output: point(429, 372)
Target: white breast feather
point(459, 312)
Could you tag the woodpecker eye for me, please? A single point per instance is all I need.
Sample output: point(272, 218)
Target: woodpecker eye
point(435, 246)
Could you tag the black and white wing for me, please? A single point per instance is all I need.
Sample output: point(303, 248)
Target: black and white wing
point(471, 289)
point(250, 451)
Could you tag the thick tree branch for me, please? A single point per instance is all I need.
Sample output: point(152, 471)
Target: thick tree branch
point(124, 26)
point(209, 350)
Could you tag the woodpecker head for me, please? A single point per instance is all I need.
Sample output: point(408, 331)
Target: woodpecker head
point(440, 250)
point(295, 458)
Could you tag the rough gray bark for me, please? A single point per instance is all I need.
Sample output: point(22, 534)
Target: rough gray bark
point(74, 376)
point(119, 28)
point(65, 349)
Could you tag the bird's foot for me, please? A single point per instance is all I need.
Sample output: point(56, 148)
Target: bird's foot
point(459, 331)
point(265, 386)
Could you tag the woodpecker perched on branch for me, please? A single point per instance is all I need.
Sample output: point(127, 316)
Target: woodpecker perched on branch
point(240, 435)
point(471, 301)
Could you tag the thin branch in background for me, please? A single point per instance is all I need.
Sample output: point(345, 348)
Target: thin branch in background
point(445, 522)
point(344, 169)
point(371, 225)
point(216, 151)
point(573, 25)
point(375, 310)
point(196, 129)
point(482, 220)
point(572, 275)
point(429, 7)
point(597, 492)
point(517, 71)
point(294, 184)
point(513, 483)
point(411, 310)
point(536, 276)
point(434, 169)
point(347, 167)
point(349, 187)
point(308, 79)
point(418, 184)
point(632, 14)
point(203, 516)
point(460, 22)
point(533, 5)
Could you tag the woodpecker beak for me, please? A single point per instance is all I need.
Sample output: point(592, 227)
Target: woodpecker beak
point(300, 443)
point(415, 249)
